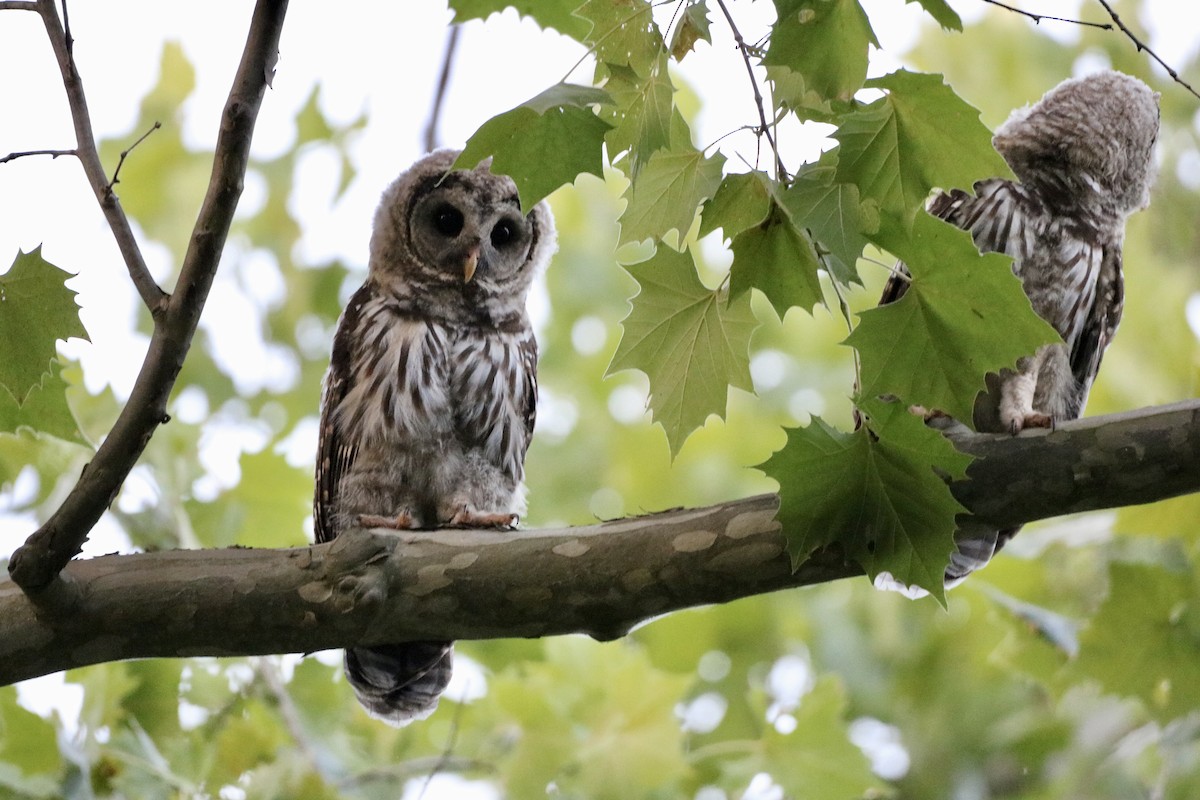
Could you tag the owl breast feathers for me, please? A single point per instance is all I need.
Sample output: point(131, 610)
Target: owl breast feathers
point(1083, 156)
point(431, 395)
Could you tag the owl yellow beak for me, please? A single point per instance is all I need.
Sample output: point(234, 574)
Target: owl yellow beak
point(470, 264)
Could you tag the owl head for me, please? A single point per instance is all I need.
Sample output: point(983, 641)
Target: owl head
point(1088, 140)
point(458, 240)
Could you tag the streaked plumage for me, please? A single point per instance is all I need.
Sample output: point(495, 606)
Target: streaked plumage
point(1083, 156)
point(430, 399)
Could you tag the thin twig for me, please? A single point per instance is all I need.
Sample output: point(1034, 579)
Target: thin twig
point(1143, 48)
point(24, 153)
point(18, 5)
point(124, 153)
point(439, 96)
point(781, 171)
point(85, 149)
point(37, 564)
point(67, 37)
point(447, 751)
point(1037, 18)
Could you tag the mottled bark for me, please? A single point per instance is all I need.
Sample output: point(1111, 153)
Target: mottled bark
point(375, 587)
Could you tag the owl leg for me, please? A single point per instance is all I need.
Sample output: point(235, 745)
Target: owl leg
point(401, 522)
point(466, 517)
point(1017, 393)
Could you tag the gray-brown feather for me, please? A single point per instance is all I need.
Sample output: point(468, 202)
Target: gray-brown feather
point(429, 403)
point(1083, 156)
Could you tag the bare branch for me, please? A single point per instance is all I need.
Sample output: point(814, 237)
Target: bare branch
point(439, 97)
point(24, 153)
point(1037, 18)
point(116, 178)
point(18, 5)
point(1143, 48)
point(37, 563)
point(765, 128)
point(85, 148)
point(370, 587)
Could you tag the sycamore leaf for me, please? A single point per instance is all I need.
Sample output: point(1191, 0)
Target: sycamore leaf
point(36, 309)
point(640, 113)
point(824, 42)
point(689, 340)
point(816, 760)
point(1161, 606)
point(941, 11)
point(874, 492)
point(543, 143)
point(692, 27)
point(556, 14)
point(833, 213)
point(667, 192)
point(623, 32)
point(919, 136)
point(44, 411)
point(963, 315)
point(776, 259)
point(741, 201)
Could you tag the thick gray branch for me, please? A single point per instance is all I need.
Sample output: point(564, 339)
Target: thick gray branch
point(37, 563)
point(370, 588)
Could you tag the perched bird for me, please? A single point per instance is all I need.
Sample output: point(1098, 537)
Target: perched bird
point(429, 402)
point(1084, 160)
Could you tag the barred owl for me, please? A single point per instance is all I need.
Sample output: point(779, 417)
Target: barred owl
point(1084, 159)
point(430, 399)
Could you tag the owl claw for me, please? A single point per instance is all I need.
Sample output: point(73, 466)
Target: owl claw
point(464, 518)
point(401, 522)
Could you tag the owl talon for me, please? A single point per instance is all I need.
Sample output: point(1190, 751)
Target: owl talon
point(401, 522)
point(1036, 420)
point(470, 519)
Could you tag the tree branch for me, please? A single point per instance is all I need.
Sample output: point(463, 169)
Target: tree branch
point(25, 153)
point(439, 95)
point(89, 158)
point(36, 564)
point(372, 587)
point(1143, 48)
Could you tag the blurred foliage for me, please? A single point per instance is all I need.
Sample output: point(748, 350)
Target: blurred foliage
point(1067, 669)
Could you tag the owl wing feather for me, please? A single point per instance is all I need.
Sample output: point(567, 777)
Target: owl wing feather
point(335, 456)
point(1102, 322)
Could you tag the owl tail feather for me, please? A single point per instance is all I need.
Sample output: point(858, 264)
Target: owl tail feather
point(975, 545)
point(399, 683)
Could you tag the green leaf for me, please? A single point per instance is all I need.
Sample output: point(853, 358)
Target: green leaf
point(29, 758)
point(556, 14)
point(941, 11)
point(266, 508)
point(667, 192)
point(874, 492)
point(817, 760)
point(919, 136)
point(623, 32)
point(741, 201)
point(36, 309)
point(963, 315)
point(692, 27)
point(824, 42)
point(640, 113)
point(1145, 639)
point(44, 411)
point(543, 143)
point(689, 341)
point(776, 259)
point(834, 214)
point(596, 720)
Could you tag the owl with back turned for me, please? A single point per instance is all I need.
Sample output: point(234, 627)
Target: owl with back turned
point(430, 399)
point(1083, 156)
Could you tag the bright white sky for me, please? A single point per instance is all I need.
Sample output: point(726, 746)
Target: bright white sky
point(381, 57)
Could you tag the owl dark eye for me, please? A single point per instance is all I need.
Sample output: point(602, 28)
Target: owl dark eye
point(503, 233)
point(448, 220)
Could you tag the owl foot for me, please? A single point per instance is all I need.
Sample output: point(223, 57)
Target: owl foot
point(465, 518)
point(401, 522)
point(1033, 419)
point(927, 414)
